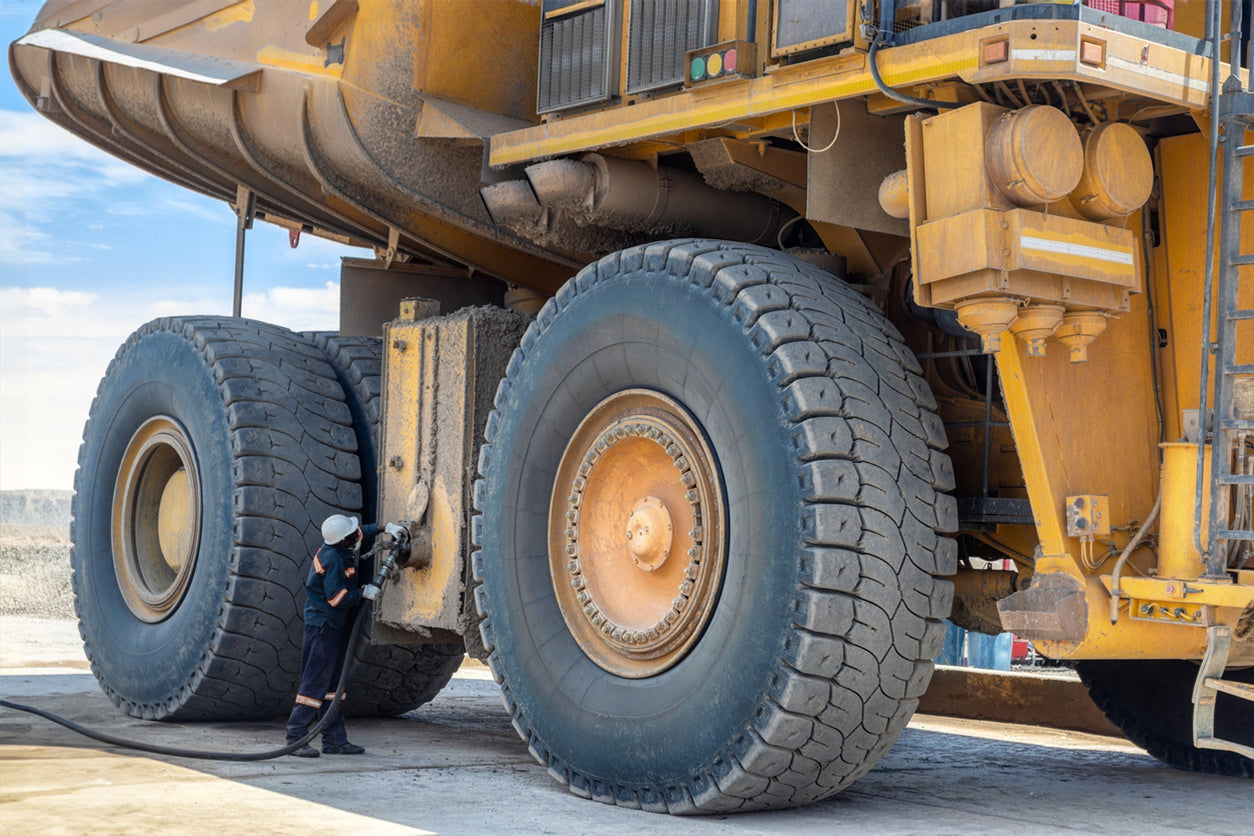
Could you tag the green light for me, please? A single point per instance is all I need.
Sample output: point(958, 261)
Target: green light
point(697, 71)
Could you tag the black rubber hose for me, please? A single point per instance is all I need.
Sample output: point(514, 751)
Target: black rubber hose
point(893, 94)
point(349, 662)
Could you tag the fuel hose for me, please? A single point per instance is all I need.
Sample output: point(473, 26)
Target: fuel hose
point(355, 638)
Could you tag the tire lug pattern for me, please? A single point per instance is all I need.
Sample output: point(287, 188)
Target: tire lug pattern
point(869, 451)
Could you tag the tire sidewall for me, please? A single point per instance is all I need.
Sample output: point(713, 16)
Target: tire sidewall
point(643, 330)
point(160, 373)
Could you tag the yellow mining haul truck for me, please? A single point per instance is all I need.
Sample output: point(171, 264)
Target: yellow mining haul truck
point(713, 350)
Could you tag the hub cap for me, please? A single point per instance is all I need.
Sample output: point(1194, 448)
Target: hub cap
point(156, 519)
point(636, 537)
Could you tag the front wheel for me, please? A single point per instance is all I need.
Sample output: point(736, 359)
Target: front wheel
point(709, 519)
point(1151, 701)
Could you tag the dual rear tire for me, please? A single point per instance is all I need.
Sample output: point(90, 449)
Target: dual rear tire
point(214, 449)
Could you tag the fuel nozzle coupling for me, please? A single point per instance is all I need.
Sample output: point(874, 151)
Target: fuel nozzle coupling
point(396, 544)
point(385, 568)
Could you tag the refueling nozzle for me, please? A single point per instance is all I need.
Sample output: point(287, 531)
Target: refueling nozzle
point(393, 546)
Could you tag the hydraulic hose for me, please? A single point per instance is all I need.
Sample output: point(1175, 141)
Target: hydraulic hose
point(198, 754)
point(893, 94)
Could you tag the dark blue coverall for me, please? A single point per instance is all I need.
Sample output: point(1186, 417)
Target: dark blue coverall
point(333, 590)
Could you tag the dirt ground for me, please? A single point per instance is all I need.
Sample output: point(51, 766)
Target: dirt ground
point(456, 766)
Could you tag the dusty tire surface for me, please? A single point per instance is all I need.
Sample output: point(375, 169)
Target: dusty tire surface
point(265, 427)
point(1151, 701)
point(831, 458)
point(387, 680)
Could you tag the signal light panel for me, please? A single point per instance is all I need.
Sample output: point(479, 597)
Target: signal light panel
point(730, 59)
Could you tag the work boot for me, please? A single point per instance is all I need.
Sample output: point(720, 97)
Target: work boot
point(344, 748)
point(305, 751)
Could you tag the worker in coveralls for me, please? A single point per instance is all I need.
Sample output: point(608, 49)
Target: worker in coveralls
point(332, 594)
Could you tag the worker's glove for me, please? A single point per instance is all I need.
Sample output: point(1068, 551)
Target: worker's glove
point(396, 531)
point(370, 592)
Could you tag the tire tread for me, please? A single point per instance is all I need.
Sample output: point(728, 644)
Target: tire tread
point(860, 420)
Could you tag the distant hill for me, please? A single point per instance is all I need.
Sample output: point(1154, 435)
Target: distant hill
point(36, 508)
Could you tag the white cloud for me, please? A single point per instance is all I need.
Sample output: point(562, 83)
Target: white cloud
point(52, 354)
point(56, 344)
point(218, 213)
point(48, 170)
point(37, 144)
point(298, 308)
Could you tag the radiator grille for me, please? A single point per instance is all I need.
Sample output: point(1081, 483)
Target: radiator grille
point(661, 31)
point(576, 59)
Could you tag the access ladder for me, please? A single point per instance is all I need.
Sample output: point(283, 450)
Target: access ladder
point(1230, 534)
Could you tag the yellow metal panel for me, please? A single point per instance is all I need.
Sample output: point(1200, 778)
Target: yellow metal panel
point(1194, 592)
point(1086, 428)
point(792, 87)
point(1026, 253)
point(1027, 421)
point(1088, 516)
point(959, 245)
point(953, 155)
point(427, 434)
point(483, 54)
point(1129, 638)
point(1069, 247)
point(1046, 50)
point(1179, 282)
point(916, 189)
point(288, 59)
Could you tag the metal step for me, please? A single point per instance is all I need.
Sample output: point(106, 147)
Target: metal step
point(1244, 690)
point(1234, 534)
point(1244, 151)
point(1209, 684)
point(1243, 206)
point(1243, 260)
point(1239, 479)
point(1245, 313)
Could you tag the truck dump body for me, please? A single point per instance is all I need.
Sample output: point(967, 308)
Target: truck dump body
point(831, 306)
point(328, 134)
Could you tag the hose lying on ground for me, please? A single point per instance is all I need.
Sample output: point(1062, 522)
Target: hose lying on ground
point(349, 661)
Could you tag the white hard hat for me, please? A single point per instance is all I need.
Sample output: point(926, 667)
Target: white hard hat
point(336, 527)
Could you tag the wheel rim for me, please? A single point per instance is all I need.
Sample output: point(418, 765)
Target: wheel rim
point(156, 519)
point(636, 534)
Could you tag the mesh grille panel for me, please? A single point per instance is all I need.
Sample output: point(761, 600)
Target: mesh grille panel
point(661, 32)
point(574, 61)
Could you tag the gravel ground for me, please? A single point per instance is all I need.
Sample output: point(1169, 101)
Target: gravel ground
point(35, 572)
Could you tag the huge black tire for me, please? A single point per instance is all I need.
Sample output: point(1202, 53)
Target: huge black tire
point(1151, 701)
point(387, 680)
point(214, 449)
point(813, 633)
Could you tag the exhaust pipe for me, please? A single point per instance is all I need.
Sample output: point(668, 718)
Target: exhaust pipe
point(512, 204)
point(631, 196)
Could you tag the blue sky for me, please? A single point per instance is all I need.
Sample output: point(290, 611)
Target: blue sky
point(90, 249)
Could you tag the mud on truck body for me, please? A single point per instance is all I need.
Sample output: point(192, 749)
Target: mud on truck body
point(709, 349)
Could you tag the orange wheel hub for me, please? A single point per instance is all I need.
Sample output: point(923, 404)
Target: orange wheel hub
point(156, 519)
point(636, 536)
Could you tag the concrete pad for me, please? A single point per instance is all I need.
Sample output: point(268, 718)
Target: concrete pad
point(456, 766)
